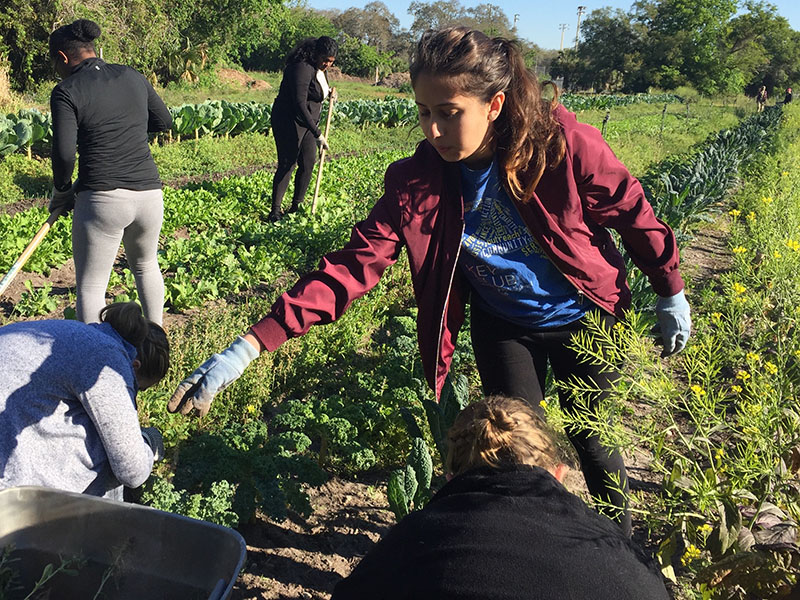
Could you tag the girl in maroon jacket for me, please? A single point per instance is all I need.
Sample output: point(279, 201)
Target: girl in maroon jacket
point(506, 205)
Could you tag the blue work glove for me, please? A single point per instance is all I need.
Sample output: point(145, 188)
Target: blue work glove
point(155, 440)
point(214, 375)
point(65, 201)
point(675, 322)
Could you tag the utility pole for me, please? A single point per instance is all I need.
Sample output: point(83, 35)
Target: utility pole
point(581, 10)
point(516, 18)
point(563, 27)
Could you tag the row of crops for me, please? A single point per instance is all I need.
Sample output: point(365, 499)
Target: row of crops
point(22, 130)
point(344, 387)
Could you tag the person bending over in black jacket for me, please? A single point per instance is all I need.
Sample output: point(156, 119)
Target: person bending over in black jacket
point(295, 117)
point(504, 527)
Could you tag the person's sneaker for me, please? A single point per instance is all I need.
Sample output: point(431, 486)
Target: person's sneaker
point(293, 208)
point(275, 216)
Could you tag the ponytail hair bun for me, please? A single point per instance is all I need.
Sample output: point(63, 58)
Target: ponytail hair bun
point(71, 39)
point(500, 432)
point(149, 339)
point(84, 30)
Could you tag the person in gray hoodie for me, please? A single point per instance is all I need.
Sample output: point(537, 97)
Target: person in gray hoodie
point(68, 417)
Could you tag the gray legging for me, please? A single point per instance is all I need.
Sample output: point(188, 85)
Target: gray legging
point(101, 220)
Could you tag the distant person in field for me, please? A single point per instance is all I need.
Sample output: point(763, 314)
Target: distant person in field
point(295, 118)
point(506, 206)
point(106, 111)
point(68, 401)
point(761, 98)
point(504, 528)
point(788, 97)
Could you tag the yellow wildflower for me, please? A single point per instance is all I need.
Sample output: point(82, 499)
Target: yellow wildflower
point(776, 254)
point(735, 212)
point(736, 389)
point(784, 173)
point(705, 529)
point(743, 375)
point(251, 409)
point(793, 245)
point(698, 391)
point(797, 353)
point(738, 288)
point(767, 199)
point(751, 216)
point(739, 250)
point(772, 369)
point(692, 553)
point(719, 453)
point(716, 316)
point(543, 404)
point(752, 357)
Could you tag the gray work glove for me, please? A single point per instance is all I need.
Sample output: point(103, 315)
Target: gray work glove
point(218, 372)
point(65, 201)
point(154, 439)
point(674, 318)
point(322, 143)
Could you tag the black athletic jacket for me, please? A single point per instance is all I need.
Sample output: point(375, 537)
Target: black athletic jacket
point(106, 111)
point(513, 534)
point(300, 97)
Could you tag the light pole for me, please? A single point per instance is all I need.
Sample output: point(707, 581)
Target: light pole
point(563, 27)
point(516, 18)
point(581, 10)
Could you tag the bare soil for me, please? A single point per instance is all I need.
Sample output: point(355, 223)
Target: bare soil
point(242, 79)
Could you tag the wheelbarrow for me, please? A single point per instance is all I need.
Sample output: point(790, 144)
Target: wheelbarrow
point(119, 550)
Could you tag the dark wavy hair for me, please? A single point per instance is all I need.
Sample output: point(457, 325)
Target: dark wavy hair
point(71, 39)
point(149, 339)
point(310, 49)
point(526, 136)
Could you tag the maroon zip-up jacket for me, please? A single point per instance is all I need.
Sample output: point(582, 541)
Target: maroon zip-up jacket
point(422, 209)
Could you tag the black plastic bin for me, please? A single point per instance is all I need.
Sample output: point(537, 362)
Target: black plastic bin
point(155, 555)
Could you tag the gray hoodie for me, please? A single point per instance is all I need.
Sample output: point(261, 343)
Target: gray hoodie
point(68, 415)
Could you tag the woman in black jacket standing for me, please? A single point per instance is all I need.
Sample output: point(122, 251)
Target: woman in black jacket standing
point(295, 117)
point(106, 111)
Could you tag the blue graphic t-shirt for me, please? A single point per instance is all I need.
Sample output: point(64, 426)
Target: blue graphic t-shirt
point(509, 272)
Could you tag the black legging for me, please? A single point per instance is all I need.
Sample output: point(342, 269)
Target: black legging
point(292, 150)
point(512, 361)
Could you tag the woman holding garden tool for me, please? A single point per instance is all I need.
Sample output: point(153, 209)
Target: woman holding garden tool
point(506, 206)
point(106, 111)
point(68, 390)
point(295, 118)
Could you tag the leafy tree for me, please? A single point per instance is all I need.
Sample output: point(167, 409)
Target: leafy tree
point(611, 47)
point(24, 29)
point(696, 31)
point(767, 48)
point(489, 18)
point(434, 15)
point(374, 25)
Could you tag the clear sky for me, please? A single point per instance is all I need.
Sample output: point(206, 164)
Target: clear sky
point(539, 20)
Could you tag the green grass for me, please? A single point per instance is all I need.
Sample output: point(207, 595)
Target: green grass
point(634, 132)
point(211, 156)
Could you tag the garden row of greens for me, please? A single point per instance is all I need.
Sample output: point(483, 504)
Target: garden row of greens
point(722, 424)
point(22, 130)
point(343, 423)
point(336, 397)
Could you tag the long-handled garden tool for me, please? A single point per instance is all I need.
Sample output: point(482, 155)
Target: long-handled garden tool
point(322, 155)
point(26, 254)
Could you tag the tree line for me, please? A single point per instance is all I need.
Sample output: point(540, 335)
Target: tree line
point(716, 46)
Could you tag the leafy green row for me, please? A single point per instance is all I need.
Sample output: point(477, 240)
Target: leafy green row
point(223, 118)
point(22, 130)
point(578, 102)
point(683, 192)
